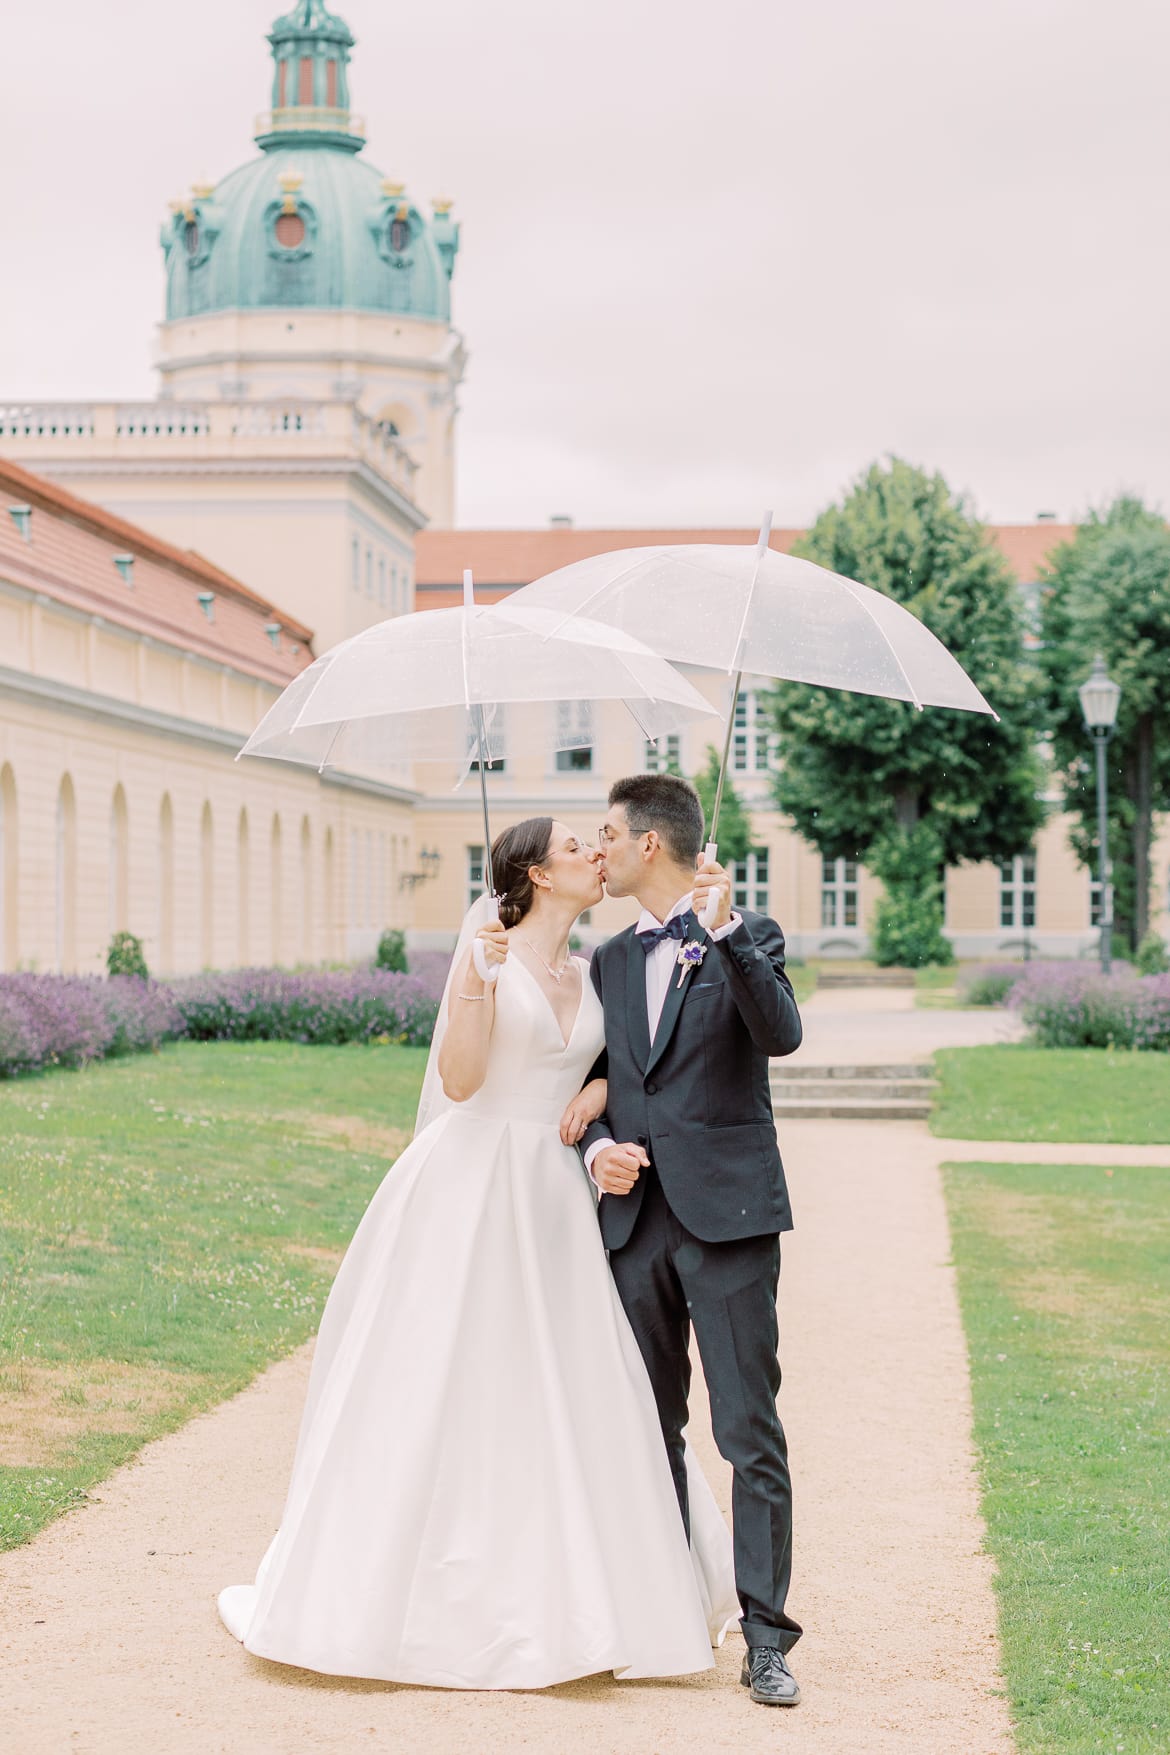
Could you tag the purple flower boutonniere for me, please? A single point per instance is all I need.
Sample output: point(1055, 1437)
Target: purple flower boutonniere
point(690, 954)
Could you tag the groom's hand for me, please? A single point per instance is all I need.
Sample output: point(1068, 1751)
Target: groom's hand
point(616, 1168)
point(711, 879)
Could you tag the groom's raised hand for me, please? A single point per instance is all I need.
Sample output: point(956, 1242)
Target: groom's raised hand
point(615, 1169)
point(711, 878)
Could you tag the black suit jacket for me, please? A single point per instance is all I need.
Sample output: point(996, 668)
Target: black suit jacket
point(698, 1098)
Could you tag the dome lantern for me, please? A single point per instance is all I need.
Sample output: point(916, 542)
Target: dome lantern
point(310, 82)
point(309, 223)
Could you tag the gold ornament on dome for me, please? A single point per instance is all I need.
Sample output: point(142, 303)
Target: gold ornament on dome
point(392, 190)
point(290, 182)
point(442, 203)
point(203, 191)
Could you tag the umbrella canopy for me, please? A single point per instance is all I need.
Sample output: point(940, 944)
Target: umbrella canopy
point(430, 687)
point(735, 609)
point(732, 608)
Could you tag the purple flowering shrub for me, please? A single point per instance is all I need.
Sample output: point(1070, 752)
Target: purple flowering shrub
point(66, 1020)
point(430, 967)
point(1070, 1005)
point(332, 1006)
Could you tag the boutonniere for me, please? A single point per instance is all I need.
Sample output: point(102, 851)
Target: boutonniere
point(690, 954)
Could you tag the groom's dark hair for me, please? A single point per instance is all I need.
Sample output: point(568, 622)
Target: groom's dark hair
point(668, 804)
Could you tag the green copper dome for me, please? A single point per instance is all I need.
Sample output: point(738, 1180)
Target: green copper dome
point(309, 224)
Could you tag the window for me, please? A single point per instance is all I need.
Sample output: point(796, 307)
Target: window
point(1017, 890)
point(331, 84)
point(369, 574)
point(753, 744)
point(663, 757)
point(475, 876)
point(574, 727)
point(305, 94)
point(399, 234)
point(749, 881)
point(355, 565)
point(838, 892)
point(382, 580)
point(289, 230)
point(1095, 916)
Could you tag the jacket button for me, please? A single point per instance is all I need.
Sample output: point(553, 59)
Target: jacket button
point(651, 1090)
point(642, 1140)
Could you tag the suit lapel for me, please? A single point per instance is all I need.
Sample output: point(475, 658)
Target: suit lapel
point(673, 1003)
point(637, 1023)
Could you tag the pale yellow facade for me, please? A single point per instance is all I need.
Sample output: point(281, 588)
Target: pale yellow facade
point(122, 807)
point(398, 372)
point(309, 503)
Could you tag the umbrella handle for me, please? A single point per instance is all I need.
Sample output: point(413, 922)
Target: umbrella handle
point(487, 972)
point(711, 907)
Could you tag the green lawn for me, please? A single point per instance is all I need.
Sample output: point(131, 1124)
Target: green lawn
point(1018, 1093)
point(1064, 1278)
point(168, 1225)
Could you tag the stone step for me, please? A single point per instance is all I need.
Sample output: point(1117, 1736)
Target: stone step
point(830, 978)
point(783, 1070)
point(802, 1090)
point(851, 1109)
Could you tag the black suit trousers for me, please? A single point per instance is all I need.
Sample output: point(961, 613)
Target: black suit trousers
point(669, 1281)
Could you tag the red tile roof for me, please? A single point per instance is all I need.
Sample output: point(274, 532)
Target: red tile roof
point(503, 559)
point(69, 556)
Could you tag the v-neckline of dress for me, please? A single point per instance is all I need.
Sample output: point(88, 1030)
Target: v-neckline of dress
point(565, 1040)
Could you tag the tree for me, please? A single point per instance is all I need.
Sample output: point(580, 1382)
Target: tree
point(859, 771)
point(735, 826)
point(1108, 591)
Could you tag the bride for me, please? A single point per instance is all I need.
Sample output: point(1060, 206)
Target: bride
point(480, 1496)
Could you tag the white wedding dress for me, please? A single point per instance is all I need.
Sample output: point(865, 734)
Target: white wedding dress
point(480, 1496)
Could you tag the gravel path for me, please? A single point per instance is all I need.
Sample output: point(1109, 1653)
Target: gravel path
point(109, 1640)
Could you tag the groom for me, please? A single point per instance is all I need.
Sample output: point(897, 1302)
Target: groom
point(693, 1195)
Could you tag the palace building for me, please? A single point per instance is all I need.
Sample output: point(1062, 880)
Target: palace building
point(166, 568)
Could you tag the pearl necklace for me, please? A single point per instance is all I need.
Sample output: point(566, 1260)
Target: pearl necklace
point(558, 975)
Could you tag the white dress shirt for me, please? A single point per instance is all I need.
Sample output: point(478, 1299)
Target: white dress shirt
point(661, 964)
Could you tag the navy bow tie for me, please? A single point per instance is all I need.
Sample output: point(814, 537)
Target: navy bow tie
point(675, 928)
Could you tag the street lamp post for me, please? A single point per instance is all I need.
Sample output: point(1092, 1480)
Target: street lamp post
point(1100, 697)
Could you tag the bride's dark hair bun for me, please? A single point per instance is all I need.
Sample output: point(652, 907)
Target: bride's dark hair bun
point(522, 845)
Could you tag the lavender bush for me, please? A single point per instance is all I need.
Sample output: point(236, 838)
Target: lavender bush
point(66, 1020)
point(274, 1005)
point(1075, 1006)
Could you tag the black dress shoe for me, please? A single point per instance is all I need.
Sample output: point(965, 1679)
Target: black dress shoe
point(768, 1676)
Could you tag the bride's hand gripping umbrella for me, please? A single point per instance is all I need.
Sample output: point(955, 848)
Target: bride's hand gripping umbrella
point(432, 687)
point(749, 609)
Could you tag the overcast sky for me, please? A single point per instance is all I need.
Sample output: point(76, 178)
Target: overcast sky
point(716, 257)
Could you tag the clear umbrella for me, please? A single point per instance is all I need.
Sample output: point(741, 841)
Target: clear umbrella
point(430, 687)
point(743, 608)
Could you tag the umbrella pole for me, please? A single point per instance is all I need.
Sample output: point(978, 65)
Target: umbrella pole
point(481, 737)
point(711, 851)
point(735, 687)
